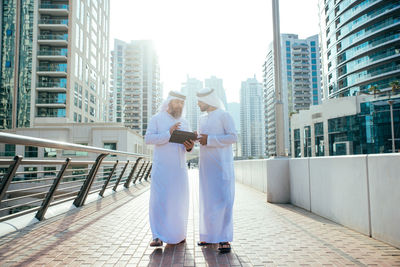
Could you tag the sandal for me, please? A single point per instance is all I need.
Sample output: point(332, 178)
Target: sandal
point(156, 243)
point(201, 243)
point(224, 247)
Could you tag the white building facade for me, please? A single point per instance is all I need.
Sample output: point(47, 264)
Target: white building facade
point(192, 111)
point(136, 94)
point(216, 84)
point(252, 119)
point(301, 84)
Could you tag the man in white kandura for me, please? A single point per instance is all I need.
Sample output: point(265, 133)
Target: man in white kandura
point(169, 190)
point(217, 179)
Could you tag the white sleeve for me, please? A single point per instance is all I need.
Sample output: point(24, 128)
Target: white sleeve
point(228, 138)
point(153, 137)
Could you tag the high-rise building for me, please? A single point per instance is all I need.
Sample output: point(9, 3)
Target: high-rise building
point(360, 52)
point(300, 83)
point(116, 100)
point(252, 118)
point(216, 84)
point(136, 90)
point(192, 111)
point(54, 62)
point(360, 46)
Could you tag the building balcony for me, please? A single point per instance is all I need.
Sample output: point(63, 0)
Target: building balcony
point(53, 39)
point(59, 70)
point(52, 101)
point(51, 105)
point(45, 86)
point(54, 9)
point(53, 54)
point(53, 24)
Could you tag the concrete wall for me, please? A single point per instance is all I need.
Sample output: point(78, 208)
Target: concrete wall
point(384, 188)
point(360, 192)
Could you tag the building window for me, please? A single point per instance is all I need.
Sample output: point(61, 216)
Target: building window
point(50, 152)
point(297, 149)
point(307, 141)
point(319, 139)
point(111, 146)
point(9, 150)
point(31, 152)
point(30, 172)
point(49, 171)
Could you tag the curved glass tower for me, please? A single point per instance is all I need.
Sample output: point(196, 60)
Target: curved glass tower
point(360, 46)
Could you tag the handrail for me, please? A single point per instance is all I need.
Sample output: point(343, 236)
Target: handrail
point(25, 190)
point(9, 138)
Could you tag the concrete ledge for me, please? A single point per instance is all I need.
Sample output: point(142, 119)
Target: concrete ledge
point(278, 182)
point(384, 186)
point(339, 190)
point(300, 183)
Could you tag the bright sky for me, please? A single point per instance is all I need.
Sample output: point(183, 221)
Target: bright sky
point(225, 38)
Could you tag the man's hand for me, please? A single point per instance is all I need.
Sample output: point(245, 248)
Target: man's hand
point(174, 127)
point(188, 145)
point(203, 139)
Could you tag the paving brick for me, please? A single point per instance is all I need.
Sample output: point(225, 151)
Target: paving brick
point(116, 232)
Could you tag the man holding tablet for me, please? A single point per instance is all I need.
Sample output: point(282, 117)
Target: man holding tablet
point(169, 191)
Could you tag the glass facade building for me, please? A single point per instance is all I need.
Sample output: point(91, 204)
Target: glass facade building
point(360, 45)
point(54, 56)
point(135, 79)
point(301, 84)
point(364, 127)
point(17, 19)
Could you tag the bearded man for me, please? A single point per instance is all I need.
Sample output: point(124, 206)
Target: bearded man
point(217, 179)
point(169, 190)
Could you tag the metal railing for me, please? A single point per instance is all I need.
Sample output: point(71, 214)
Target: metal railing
point(28, 185)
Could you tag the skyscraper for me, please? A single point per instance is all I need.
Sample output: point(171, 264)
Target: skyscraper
point(54, 69)
point(252, 118)
point(136, 94)
point(360, 46)
point(360, 52)
point(190, 88)
point(301, 81)
point(216, 84)
point(116, 101)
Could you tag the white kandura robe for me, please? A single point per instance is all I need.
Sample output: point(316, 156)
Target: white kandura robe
point(169, 190)
point(217, 179)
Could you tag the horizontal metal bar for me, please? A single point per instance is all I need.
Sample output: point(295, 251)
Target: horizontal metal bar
point(25, 196)
point(56, 202)
point(66, 194)
point(74, 175)
point(17, 214)
point(9, 138)
point(71, 182)
point(69, 187)
point(27, 189)
point(34, 180)
point(36, 172)
point(6, 161)
point(21, 205)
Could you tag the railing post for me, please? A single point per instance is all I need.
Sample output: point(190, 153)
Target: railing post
point(108, 179)
point(120, 177)
point(129, 179)
point(83, 193)
point(141, 177)
point(49, 197)
point(9, 176)
point(138, 173)
point(148, 172)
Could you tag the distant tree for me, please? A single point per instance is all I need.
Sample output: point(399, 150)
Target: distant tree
point(374, 90)
point(395, 86)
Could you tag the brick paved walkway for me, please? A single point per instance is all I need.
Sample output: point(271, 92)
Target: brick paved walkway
point(115, 232)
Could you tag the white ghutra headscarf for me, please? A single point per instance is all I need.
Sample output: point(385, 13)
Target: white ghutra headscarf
point(171, 96)
point(210, 97)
